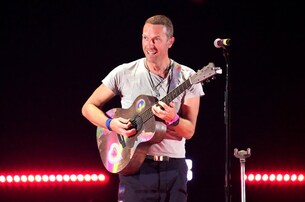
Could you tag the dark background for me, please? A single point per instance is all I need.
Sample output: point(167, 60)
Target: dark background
point(55, 53)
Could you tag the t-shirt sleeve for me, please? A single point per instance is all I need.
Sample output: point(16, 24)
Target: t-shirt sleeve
point(112, 79)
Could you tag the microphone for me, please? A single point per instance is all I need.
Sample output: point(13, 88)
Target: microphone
point(222, 43)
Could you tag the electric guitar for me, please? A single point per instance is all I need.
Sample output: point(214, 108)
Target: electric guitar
point(125, 155)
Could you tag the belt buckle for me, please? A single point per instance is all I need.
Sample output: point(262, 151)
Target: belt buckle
point(161, 158)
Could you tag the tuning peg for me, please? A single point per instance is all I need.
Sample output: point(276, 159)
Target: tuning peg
point(213, 77)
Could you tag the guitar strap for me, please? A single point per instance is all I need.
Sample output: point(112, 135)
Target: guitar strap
point(175, 76)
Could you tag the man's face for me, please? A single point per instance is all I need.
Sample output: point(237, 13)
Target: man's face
point(155, 42)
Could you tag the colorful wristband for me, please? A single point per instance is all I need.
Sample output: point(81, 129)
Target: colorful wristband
point(108, 124)
point(174, 121)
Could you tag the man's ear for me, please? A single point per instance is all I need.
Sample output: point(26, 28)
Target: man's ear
point(171, 42)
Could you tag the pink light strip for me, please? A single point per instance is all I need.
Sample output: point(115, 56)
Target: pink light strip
point(277, 178)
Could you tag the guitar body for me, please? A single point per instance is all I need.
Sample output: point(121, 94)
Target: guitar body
point(125, 155)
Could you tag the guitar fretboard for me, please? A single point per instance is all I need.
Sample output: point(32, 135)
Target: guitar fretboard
point(177, 91)
point(147, 114)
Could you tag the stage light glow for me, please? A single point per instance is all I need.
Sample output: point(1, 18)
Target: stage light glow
point(31, 178)
point(265, 177)
point(80, 178)
point(52, 178)
point(258, 177)
point(2, 179)
point(275, 178)
point(45, 178)
point(101, 177)
point(73, 178)
point(272, 177)
point(94, 177)
point(37, 178)
point(87, 177)
point(282, 178)
point(293, 177)
point(66, 178)
point(17, 178)
point(189, 164)
point(279, 177)
point(9, 178)
point(59, 178)
point(251, 177)
point(24, 178)
point(286, 177)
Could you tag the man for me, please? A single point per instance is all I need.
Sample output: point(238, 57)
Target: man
point(163, 174)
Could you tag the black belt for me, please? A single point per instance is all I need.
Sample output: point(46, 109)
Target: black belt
point(158, 158)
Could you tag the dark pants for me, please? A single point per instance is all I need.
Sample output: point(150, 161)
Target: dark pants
point(157, 181)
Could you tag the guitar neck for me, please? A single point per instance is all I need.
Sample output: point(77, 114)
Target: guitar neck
point(147, 114)
point(176, 92)
point(206, 72)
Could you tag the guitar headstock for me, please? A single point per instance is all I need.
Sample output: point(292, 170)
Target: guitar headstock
point(205, 73)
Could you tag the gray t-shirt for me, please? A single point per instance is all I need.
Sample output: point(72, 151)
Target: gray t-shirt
point(132, 79)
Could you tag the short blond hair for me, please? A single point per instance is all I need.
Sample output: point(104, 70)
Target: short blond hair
point(162, 20)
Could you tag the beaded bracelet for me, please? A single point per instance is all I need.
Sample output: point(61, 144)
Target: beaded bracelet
point(108, 124)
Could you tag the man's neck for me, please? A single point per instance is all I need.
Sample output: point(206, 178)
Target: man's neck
point(160, 69)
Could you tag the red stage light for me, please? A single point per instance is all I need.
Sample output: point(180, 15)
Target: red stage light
point(66, 178)
point(250, 177)
point(2, 179)
point(73, 178)
point(87, 177)
point(286, 177)
point(293, 177)
point(31, 178)
point(45, 178)
point(16, 178)
point(258, 177)
point(59, 178)
point(80, 178)
point(52, 178)
point(265, 177)
point(280, 178)
point(24, 178)
point(37, 178)
point(9, 178)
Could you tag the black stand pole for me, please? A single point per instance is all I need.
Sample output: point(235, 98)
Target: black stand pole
point(227, 121)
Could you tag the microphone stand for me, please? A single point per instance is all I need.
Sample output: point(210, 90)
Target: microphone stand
point(242, 155)
point(227, 121)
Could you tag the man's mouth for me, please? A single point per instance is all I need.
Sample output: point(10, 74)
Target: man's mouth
point(151, 52)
